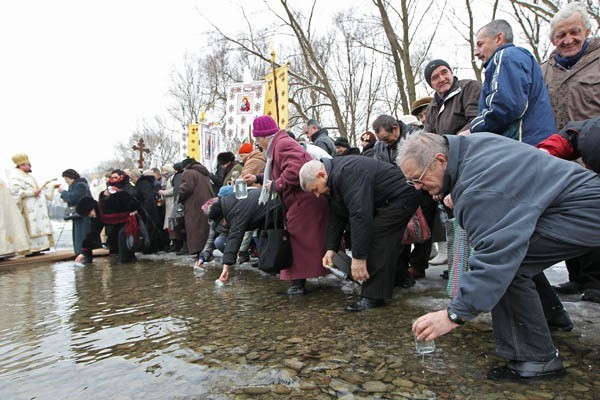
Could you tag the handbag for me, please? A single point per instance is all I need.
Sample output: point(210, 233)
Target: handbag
point(138, 238)
point(274, 247)
point(417, 230)
point(459, 251)
point(70, 213)
point(177, 221)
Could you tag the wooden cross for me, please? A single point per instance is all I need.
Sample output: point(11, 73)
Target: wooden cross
point(141, 148)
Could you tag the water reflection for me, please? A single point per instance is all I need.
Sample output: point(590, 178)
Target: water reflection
point(156, 330)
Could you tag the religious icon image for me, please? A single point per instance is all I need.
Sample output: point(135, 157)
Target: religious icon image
point(245, 104)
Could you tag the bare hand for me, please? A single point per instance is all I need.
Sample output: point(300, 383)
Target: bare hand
point(466, 132)
point(328, 258)
point(225, 273)
point(250, 179)
point(80, 258)
point(37, 192)
point(359, 270)
point(448, 202)
point(437, 197)
point(433, 325)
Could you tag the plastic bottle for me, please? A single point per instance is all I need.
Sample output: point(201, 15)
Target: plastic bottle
point(240, 189)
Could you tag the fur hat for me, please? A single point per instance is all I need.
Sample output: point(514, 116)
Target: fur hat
point(368, 136)
point(264, 126)
point(20, 158)
point(225, 157)
point(419, 104)
point(342, 142)
point(246, 148)
point(85, 205)
point(433, 64)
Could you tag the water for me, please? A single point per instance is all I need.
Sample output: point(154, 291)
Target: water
point(160, 329)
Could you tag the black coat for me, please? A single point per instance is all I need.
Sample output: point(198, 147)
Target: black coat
point(358, 187)
point(146, 194)
point(369, 150)
point(241, 215)
point(387, 153)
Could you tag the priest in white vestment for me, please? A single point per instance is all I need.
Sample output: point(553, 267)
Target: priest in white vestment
point(31, 200)
point(13, 233)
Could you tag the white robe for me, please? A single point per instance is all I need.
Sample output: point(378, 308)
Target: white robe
point(34, 209)
point(13, 233)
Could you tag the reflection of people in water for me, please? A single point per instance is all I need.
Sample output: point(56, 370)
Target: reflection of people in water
point(245, 106)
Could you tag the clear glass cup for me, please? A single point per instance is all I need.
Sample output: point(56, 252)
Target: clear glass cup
point(240, 189)
point(424, 346)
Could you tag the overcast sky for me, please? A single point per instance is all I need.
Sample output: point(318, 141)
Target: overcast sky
point(77, 76)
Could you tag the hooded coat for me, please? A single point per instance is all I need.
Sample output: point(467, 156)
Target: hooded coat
point(195, 189)
point(81, 225)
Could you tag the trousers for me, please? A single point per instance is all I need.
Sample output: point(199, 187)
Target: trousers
point(520, 328)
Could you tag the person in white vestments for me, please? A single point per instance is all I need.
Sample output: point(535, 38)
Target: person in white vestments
point(13, 233)
point(32, 200)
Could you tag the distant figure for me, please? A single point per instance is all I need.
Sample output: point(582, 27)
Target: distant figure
point(32, 201)
point(420, 107)
point(319, 136)
point(343, 148)
point(367, 141)
point(78, 189)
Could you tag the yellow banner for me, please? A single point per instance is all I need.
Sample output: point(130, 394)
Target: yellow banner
point(193, 142)
point(277, 101)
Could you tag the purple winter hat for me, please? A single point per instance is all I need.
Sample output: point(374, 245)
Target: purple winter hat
point(264, 126)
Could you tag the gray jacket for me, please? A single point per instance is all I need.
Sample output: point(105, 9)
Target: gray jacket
point(387, 153)
point(322, 139)
point(503, 192)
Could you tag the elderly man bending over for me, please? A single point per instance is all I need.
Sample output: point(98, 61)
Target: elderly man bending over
point(374, 197)
point(523, 211)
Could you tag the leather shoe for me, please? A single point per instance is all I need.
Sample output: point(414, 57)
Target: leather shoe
point(568, 288)
point(364, 303)
point(298, 286)
point(591, 294)
point(406, 283)
point(559, 320)
point(518, 370)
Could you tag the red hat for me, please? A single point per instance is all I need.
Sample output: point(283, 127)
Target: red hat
point(264, 126)
point(245, 148)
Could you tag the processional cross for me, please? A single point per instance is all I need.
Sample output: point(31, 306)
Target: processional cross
point(142, 149)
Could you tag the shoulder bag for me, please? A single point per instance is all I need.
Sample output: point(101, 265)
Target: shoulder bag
point(274, 247)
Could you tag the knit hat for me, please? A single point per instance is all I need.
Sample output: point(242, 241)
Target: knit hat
point(85, 205)
point(264, 126)
point(246, 148)
point(225, 191)
point(368, 136)
point(20, 158)
point(342, 142)
point(419, 104)
point(432, 66)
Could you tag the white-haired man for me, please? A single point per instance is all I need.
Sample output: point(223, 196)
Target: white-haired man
point(523, 211)
point(374, 198)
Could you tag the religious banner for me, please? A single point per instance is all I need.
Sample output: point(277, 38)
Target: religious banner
point(244, 103)
point(276, 96)
point(212, 143)
point(193, 142)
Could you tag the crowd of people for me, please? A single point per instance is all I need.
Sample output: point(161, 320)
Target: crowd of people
point(495, 154)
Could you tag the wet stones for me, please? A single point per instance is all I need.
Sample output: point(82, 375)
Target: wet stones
point(374, 386)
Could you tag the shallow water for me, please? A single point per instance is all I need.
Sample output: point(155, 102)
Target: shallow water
point(159, 329)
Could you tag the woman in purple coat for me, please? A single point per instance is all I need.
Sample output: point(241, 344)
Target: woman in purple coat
point(306, 214)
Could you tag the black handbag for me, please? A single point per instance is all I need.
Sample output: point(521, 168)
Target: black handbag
point(177, 221)
point(274, 247)
point(70, 213)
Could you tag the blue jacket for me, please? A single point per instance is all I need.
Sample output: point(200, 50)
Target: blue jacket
point(503, 193)
point(514, 101)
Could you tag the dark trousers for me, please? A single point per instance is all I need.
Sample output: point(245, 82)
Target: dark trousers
point(384, 248)
point(585, 270)
point(419, 256)
point(520, 327)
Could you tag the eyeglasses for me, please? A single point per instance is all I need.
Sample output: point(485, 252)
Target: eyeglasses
point(413, 182)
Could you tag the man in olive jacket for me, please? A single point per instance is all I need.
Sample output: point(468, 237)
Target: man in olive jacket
point(523, 211)
point(374, 197)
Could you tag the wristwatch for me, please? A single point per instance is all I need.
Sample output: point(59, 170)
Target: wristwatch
point(452, 316)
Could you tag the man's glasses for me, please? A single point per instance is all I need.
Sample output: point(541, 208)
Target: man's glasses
point(413, 182)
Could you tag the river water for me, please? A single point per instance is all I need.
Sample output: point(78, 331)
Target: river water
point(158, 329)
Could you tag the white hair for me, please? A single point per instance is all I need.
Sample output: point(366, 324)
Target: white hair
point(421, 148)
point(568, 11)
point(308, 172)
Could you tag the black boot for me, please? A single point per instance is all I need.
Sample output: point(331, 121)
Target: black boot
point(298, 286)
point(364, 303)
point(559, 320)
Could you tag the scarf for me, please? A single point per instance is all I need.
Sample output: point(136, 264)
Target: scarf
point(264, 194)
point(568, 62)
